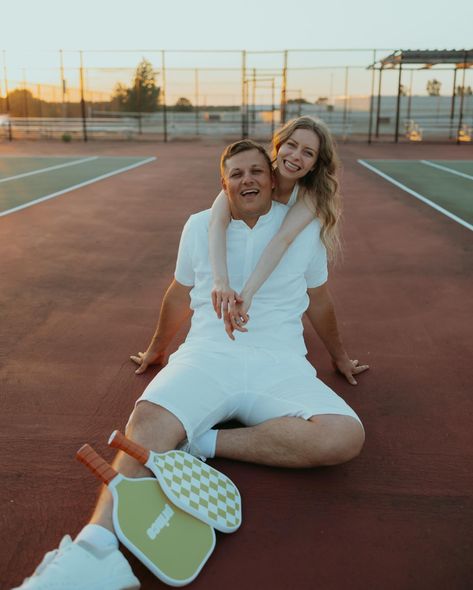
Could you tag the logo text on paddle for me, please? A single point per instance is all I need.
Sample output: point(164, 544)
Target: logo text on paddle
point(162, 521)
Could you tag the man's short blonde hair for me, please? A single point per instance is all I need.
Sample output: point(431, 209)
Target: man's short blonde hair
point(243, 145)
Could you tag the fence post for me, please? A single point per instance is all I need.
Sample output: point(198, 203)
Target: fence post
point(462, 99)
point(7, 98)
point(398, 103)
point(138, 104)
point(244, 132)
point(82, 99)
point(370, 124)
point(345, 106)
point(284, 89)
point(409, 100)
point(378, 109)
point(196, 107)
point(452, 109)
point(165, 117)
point(253, 102)
point(63, 83)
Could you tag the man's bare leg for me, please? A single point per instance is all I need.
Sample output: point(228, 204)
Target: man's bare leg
point(327, 439)
point(153, 427)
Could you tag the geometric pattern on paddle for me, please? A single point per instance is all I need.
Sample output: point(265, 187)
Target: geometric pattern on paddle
point(212, 496)
point(189, 483)
point(172, 543)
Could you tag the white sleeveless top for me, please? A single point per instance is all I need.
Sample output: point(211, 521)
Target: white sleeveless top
point(293, 197)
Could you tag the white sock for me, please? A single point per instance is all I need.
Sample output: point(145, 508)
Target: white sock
point(207, 443)
point(97, 536)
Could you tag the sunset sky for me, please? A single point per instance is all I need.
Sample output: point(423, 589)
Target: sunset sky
point(243, 24)
point(34, 30)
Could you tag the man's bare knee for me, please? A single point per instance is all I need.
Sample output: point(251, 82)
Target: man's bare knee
point(155, 427)
point(342, 440)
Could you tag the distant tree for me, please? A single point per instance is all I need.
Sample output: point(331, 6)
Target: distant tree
point(297, 101)
point(21, 103)
point(433, 87)
point(461, 90)
point(183, 104)
point(24, 104)
point(322, 101)
point(143, 96)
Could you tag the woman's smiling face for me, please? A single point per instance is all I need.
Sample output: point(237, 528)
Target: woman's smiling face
point(298, 154)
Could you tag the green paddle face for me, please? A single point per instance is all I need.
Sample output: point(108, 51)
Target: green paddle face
point(198, 488)
point(171, 543)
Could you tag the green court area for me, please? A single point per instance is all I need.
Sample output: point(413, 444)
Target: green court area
point(25, 181)
point(446, 185)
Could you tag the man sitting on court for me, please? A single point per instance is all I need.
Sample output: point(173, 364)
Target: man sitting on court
point(262, 379)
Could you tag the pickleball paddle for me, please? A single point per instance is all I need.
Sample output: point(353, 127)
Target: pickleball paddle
point(189, 483)
point(170, 542)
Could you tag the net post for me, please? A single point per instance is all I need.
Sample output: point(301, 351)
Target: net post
point(82, 99)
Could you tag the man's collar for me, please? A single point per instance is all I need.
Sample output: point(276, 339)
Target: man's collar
point(262, 219)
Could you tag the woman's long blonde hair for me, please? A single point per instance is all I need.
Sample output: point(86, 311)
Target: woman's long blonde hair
point(320, 184)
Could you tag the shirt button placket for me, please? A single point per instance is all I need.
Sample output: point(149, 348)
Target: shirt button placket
point(248, 261)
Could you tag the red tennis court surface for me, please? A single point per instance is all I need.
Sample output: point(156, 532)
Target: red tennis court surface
point(82, 280)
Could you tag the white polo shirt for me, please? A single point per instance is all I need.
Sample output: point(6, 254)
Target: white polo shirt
point(277, 308)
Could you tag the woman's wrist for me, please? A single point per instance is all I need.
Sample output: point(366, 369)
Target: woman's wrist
point(247, 295)
point(221, 283)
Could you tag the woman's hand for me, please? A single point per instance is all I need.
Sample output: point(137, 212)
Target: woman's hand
point(223, 298)
point(145, 359)
point(349, 368)
point(237, 316)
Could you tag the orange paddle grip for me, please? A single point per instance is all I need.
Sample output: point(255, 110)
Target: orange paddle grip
point(119, 441)
point(99, 467)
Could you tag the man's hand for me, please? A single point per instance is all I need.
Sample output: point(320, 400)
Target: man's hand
point(236, 317)
point(145, 359)
point(349, 368)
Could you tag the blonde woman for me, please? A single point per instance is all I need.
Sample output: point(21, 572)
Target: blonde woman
point(305, 168)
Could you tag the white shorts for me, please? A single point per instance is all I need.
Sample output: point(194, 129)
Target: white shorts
point(252, 385)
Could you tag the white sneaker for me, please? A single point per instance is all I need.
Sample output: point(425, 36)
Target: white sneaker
point(193, 450)
point(73, 567)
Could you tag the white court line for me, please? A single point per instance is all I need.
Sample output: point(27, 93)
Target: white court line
point(76, 186)
point(440, 167)
point(41, 170)
point(418, 195)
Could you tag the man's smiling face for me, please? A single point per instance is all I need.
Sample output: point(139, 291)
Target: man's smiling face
point(248, 183)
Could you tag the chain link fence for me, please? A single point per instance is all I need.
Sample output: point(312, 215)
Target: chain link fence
point(165, 95)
